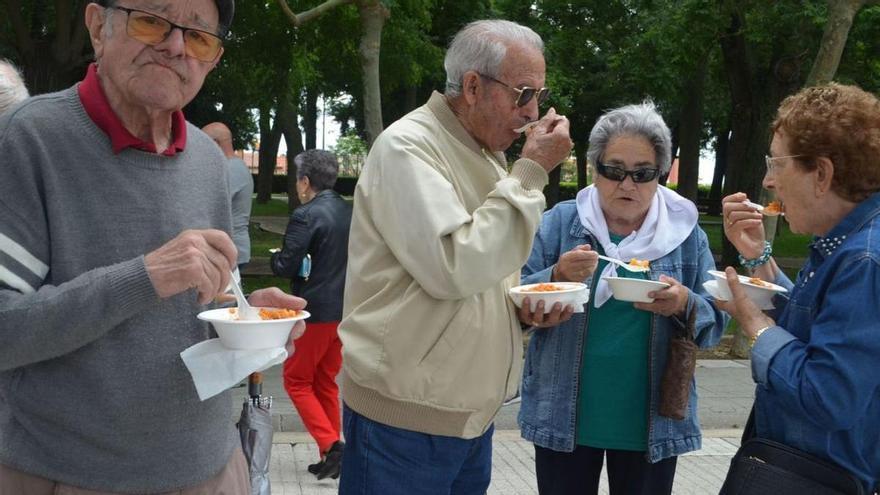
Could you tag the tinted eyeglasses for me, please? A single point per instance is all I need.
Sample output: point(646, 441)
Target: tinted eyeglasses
point(525, 93)
point(152, 29)
point(639, 175)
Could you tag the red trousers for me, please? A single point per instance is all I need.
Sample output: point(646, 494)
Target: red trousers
point(310, 380)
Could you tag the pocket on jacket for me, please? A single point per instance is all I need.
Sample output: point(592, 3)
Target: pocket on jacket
point(460, 324)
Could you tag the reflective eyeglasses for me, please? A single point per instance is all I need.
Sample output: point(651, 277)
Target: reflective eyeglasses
point(525, 93)
point(639, 175)
point(768, 160)
point(151, 29)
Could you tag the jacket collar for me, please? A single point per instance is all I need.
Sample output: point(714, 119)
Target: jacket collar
point(863, 213)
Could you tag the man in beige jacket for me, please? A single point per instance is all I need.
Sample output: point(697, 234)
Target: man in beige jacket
point(431, 342)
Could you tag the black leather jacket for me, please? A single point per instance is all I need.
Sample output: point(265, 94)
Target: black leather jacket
point(319, 228)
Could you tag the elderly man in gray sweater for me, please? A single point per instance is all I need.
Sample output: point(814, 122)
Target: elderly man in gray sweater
point(114, 234)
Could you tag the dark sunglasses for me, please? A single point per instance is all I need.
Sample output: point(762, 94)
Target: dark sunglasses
point(152, 29)
point(525, 93)
point(639, 175)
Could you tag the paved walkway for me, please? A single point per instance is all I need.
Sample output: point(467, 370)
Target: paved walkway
point(513, 466)
point(725, 389)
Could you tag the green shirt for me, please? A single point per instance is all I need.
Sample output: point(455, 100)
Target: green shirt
point(613, 394)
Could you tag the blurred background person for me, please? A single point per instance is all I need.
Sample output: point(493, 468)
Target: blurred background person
point(318, 228)
point(814, 357)
point(241, 189)
point(12, 88)
point(592, 386)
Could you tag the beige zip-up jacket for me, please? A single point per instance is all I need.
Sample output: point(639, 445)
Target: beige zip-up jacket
point(431, 341)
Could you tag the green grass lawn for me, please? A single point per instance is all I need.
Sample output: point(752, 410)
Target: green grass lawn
point(274, 208)
point(262, 241)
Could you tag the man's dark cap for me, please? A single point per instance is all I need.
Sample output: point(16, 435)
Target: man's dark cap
point(226, 8)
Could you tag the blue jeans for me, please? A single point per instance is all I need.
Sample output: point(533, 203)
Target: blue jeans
point(384, 460)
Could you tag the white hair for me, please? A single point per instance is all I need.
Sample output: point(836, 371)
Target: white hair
point(640, 120)
point(481, 46)
point(12, 88)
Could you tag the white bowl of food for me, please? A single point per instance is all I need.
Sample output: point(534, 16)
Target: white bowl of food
point(759, 291)
point(271, 330)
point(573, 293)
point(633, 289)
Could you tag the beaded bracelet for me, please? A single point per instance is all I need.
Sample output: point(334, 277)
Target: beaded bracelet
point(760, 260)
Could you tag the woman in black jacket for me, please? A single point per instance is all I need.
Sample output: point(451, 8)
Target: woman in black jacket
point(318, 228)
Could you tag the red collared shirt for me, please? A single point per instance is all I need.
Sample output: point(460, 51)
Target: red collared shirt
point(93, 99)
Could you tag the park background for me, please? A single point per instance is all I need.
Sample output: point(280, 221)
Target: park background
point(303, 74)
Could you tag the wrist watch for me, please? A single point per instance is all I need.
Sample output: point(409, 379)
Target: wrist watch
point(754, 338)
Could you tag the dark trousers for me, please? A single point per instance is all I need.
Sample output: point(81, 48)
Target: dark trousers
point(385, 460)
point(578, 472)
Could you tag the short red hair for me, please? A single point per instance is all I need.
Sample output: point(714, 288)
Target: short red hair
point(839, 122)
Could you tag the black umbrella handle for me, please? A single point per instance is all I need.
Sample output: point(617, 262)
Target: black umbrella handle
point(255, 385)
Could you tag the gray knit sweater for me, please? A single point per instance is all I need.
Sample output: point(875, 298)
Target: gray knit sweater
point(93, 392)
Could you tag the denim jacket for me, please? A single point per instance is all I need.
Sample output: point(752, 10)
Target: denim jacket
point(548, 412)
point(817, 369)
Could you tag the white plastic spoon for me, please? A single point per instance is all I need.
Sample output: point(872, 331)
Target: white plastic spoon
point(245, 310)
point(763, 210)
point(627, 266)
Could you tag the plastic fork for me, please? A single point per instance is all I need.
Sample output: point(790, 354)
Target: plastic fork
point(245, 310)
point(626, 266)
point(527, 126)
point(761, 209)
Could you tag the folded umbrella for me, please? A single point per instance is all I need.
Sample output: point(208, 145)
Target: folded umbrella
point(255, 428)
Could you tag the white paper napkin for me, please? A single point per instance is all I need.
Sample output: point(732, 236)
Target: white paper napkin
point(215, 368)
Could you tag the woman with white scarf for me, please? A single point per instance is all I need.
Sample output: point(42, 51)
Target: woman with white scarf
point(596, 386)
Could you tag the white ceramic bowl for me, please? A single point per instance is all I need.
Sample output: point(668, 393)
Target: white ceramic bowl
point(633, 289)
point(761, 295)
point(574, 293)
point(250, 334)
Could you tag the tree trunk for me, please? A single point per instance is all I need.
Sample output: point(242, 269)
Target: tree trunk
point(373, 15)
point(840, 18)
point(310, 120)
point(743, 118)
point(270, 136)
point(411, 99)
point(722, 139)
point(690, 131)
point(286, 119)
point(49, 62)
point(580, 156)
point(551, 192)
point(744, 124)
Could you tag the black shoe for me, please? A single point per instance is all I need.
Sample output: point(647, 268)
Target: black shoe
point(332, 461)
point(316, 468)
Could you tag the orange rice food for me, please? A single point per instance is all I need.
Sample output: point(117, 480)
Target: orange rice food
point(544, 288)
point(757, 281)
point(269, 313)
point(639, 263)
point(774, 207)
point(277, 313)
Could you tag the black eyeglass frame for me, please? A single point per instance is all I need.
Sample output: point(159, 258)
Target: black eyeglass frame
point(640, 175)
point(172, 26)
point(525, 94)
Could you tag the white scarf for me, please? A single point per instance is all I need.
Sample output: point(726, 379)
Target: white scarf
point(669, 221)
